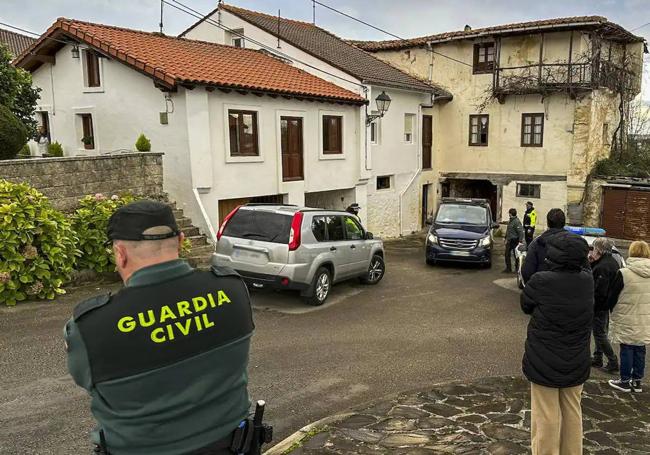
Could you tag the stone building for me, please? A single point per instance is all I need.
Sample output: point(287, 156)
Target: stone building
point(534, 106)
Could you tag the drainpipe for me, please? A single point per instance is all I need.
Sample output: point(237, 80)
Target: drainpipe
point(417, 172)
point(206, 218)
point(430, 47)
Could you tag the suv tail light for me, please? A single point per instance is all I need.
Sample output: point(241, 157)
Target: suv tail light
point(225, 220)
point(294, 234)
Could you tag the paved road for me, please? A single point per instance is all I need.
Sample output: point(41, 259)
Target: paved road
point(419, 326)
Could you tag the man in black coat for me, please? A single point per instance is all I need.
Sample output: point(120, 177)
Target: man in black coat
point(557, 359)
point(555, 221)
point(604, 267)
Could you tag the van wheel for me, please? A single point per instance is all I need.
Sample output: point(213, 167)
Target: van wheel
point(320, 287)
point(376, 270)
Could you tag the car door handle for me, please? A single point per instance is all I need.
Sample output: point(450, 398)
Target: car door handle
point(332, 248)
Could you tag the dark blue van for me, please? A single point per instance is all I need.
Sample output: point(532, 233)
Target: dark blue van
point(461, 231)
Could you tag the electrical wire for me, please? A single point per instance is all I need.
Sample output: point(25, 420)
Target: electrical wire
point(196, 14)
point(385, 31)
point(34, 33)
point(644, 25)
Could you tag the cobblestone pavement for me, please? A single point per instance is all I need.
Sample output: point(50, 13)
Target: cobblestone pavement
point(489, 416)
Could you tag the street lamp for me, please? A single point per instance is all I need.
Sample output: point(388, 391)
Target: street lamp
point(75, 51)
point(383, 103)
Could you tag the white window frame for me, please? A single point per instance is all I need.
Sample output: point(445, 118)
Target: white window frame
point(78, 128)
point(376, 124)
point(331, 156)
point(413, 128)
point(237, 34)
point(84, 78)
point(226, 134)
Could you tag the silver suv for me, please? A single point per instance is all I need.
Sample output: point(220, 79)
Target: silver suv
point(299, 248)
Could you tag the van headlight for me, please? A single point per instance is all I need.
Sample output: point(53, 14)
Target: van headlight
point(485, 242)
point(432, 239)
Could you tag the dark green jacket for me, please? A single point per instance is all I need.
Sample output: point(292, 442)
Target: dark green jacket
point(165, 359)
point(515, 230)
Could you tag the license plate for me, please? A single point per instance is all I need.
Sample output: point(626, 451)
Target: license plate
point(249, 256)
point(459, 253)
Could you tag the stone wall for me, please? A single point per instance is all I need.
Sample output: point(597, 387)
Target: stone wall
point(66, 180)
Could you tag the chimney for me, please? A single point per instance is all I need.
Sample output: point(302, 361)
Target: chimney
point(467, 28)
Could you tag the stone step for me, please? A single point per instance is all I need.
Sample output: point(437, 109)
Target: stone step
point(184, 222)
point(178, 213)
point(199, 262)
point(198, 240)
point(204, 250)
point(190, 231)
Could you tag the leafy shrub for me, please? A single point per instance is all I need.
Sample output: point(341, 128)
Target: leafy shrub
point(25, 151)
point(143, 144)
point(13, 134)
point(628, 166)
point(89, 222)
point(55, 149)
point(37, 245)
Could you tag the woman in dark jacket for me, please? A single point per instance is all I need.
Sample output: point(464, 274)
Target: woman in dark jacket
point(557, 360)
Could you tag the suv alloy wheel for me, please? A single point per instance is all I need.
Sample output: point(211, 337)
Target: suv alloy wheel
point(376, 270)
point(320, 287)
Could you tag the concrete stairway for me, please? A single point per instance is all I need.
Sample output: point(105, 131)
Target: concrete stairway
point(201, 251)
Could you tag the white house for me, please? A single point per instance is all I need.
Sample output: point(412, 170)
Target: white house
point(235, 125)
point(396, 149)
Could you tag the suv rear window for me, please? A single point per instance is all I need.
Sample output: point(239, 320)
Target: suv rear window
point(259, 225)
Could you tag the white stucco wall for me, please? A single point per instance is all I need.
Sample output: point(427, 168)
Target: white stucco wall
point(553, 195)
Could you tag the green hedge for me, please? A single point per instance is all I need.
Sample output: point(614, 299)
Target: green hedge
point(37, 245)
point(13, 134)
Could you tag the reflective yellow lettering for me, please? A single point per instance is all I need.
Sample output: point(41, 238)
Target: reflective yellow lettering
point(151, 320)
point(197, 321)
point(183, 308)
point(166, 313)
point(200, 304)
point(206, 322)
point(126, 324)
point(185, 329)
point(170, 332)
point(158, 338)
point(211, 299)
point(223, 298)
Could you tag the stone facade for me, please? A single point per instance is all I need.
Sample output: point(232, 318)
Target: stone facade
point(66, 180)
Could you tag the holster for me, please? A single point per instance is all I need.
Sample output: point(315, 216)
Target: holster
point(249, 437)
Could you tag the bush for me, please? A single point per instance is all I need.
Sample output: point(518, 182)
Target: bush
point(37, 245)
point(55, 149)
point(13, 134)
point(143, 144)
point(89, 222)
point(25, 151)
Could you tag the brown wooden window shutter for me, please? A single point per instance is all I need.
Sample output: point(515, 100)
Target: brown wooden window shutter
point(92, 69)
point(242, 130)
point(332, 134)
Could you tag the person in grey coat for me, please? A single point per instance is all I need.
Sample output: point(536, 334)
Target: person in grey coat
point(514, 238)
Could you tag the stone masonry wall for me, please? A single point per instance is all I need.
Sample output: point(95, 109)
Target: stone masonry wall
point(66, 180)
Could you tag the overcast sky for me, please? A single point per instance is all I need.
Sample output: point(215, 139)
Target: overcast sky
point(405, 18)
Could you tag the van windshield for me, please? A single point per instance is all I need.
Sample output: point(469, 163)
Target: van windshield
point(462, 214)
point(259, 225)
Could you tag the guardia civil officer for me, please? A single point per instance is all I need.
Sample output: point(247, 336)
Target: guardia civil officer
point(165, 358)
point(530, 221)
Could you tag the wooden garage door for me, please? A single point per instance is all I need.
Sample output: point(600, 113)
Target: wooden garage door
point(626, 213)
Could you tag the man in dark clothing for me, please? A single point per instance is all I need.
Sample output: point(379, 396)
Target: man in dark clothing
point(555, 221)
point(164, 359)
point(514, 238)
point(557, 357)
point(530, 221)
point(604, 268)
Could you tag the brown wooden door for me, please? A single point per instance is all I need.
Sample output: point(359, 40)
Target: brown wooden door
point(427, 141)
point(292, 157)
point(637, 215)
point(614, 206)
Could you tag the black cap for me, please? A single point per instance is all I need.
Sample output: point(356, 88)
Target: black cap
point(132, 220)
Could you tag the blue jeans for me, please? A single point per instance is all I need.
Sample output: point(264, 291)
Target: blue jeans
point(632, 362)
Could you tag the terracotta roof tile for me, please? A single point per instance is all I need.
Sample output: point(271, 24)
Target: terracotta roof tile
point(16, 42)
point(557, 23)
point(334, 50)
point(172, 61)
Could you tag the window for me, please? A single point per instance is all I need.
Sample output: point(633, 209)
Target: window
point(237, 37)
point(409, 121)
point(532, 130)
point(352, 229)
point(335, 230)
point(383, 182)
point(319, 228)
point(91, 69)
point(259, 225)
point(483, 58)
point(332, 134)
point(478, 129)
point(242, 127)
point(374, 130)
point(529, 190)
point(88, 135)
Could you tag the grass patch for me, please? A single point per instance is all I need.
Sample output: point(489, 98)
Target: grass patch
point(310, 434)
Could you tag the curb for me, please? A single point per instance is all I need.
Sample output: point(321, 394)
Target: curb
point(301, 434)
